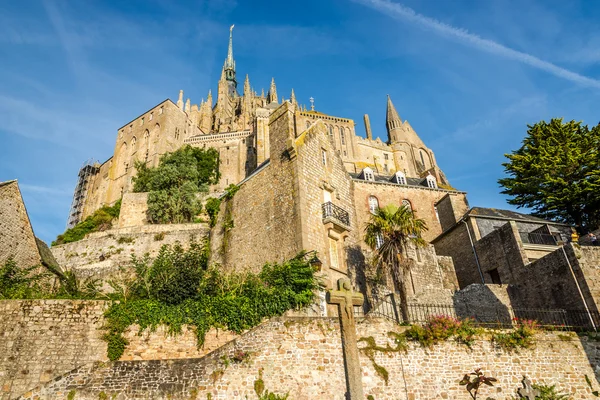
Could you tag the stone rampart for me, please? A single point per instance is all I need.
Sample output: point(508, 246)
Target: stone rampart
point(100, 254)
point(303, 356)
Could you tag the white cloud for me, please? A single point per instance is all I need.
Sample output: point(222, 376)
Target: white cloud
point(399, 11)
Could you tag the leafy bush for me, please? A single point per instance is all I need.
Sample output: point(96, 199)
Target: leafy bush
point(178, 289)
point(20, 283)
point(212, 207)
point(549, 392)
point(520, 337)
point(100, 220)
point(443, 327)
point(173, 185)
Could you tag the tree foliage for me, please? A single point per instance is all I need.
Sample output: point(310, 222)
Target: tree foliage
point(173, 185)
point(388, 232)
point(100, 220)
point(179, 288)
point(556, 173)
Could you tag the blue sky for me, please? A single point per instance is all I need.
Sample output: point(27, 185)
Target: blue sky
point(469, 75)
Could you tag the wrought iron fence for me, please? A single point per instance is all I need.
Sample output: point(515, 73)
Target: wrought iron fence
point(489, 316)
point(538, 238)
point(330, 210)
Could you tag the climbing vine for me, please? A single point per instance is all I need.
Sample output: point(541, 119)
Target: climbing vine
point(179, 289)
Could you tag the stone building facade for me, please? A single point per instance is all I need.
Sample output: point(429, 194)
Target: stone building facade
point(17, 239)
point(236, 123)
point(303, 198)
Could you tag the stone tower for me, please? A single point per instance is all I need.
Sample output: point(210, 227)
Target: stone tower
point(411, 156)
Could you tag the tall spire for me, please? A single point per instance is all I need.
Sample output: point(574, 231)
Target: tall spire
point(229, 63)
point(273, 92)
point(393, 120)
point(247, 89)
point(293, 97)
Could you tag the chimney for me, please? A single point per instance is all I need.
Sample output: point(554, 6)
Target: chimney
point(368, 127)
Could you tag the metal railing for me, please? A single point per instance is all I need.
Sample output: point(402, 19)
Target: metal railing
point(538, 238)
point(488, 316)
point(330, 210)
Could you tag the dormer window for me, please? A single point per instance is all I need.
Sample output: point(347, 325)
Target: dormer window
point(431, 182)
point(400, 178)
point(368, 175)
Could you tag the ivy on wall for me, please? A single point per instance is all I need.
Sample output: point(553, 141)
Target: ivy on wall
point(179, 288)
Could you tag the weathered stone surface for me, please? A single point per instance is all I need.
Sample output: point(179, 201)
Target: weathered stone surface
point(303, 356)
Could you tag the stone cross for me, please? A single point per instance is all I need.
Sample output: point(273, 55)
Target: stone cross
point(346, 299)
point(528, 392)
point(312, 104)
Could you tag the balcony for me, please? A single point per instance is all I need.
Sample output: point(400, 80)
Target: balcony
point(336, 215)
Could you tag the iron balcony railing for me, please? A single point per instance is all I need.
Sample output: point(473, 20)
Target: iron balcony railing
point(330, 210)
point(488, 316)
point(538, 238)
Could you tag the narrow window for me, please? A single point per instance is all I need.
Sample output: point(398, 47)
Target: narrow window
point(331, 132)
point(385, 156)
point(133, 141)
point(342, 135)
point(422, 158)
point(407, 205)
point(378, 240)
point(324, 157)
point(151, 116)
point(160, 111)
point(437, 215)
point(142, 121)
point(333, 253)
point(373, 204)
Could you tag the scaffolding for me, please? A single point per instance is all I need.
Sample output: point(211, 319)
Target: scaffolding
point(86, 172)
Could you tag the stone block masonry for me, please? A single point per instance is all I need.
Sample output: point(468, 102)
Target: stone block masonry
point(303, 357)
point(100, 254)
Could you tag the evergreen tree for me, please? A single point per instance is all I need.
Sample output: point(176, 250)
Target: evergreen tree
point(173, 185)
point(556, 173)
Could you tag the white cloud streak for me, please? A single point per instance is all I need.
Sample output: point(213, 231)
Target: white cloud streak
point(398, 11)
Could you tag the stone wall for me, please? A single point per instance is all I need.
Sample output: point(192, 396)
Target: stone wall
point(134, 208)
point(43, 339)
point(100, 254)
point(16, 235)
point(260, 223)
point(555, 281)
point(304, 357)
point(455, 243)
point(423, 202)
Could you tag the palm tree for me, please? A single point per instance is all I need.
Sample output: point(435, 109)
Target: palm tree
point(388, 232)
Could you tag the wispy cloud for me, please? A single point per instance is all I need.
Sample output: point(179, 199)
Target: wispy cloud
point(399, 11)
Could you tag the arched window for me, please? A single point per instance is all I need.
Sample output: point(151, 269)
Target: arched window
point(133, 141)
point(146, 135)
point(367, 174)
point(400, 178)
point(407, 205)
point(431, 182)
point(422, 158)
point(331, 132)
point(373, 204)
point(342, 136)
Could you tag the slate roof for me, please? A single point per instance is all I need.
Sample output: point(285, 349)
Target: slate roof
point(508, 215)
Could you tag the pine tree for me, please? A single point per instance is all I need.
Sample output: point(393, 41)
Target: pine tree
point(556, 173)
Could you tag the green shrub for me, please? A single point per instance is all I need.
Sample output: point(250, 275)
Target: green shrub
point(520, 337)
point(21, 283)
point(212, 207)
point(159, 236)
point(174, 185)
point(100, 220)
point(440, 328)
point(178, 289)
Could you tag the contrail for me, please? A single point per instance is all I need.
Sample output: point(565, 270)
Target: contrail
point(399, 11)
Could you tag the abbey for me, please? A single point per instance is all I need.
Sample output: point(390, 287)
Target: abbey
point(237, 125)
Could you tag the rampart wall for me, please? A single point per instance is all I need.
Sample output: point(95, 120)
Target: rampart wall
point(100, 254)
point(303, 356)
